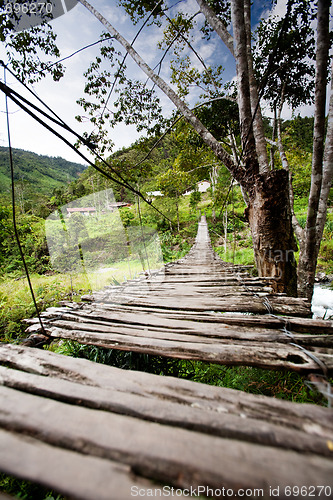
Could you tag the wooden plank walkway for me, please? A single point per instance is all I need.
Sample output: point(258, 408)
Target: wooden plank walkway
point(182, 312)
point(95, 432)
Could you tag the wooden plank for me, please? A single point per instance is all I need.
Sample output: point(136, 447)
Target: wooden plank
point(157, 450)
point(306, 325)
point(215, 422)
point(192, 288)
point(170, 319)
point(280, 305)
point(49, 364)
point(229, 352)
point(75, 474)
point(215, 342)
point(189, 331)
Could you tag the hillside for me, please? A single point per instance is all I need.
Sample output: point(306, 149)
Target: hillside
point(38, 174)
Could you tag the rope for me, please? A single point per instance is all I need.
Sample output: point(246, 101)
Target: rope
point(11, 163)
point(15, 97)
point(327, 393)
point(142, 236)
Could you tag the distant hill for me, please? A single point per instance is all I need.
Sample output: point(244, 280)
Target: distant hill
point(40, 174)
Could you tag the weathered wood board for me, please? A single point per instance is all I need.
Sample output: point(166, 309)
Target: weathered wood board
point(88, 431)
point(214, 342)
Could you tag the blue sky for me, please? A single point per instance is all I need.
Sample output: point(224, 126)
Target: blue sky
point(78, 28)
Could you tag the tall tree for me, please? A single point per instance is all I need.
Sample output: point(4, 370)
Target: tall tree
point(321, 171)
point(292, 81)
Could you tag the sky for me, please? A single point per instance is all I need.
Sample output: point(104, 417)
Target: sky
point(78, 28)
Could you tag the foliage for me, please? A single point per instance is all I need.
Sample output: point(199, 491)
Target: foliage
point(284, 56)
point(127, 216)
point(298, 133)
point(26, 50)
point(32, 237)
point(174, 247)
point(300, 167)
point(136, 104)
point(16, 301)
point(25, 490)
point(35, 176)
point(195, 197)
point(173, 182)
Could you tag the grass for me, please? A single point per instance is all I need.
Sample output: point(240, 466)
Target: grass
point(25, 490)
point(16, 302)
point(241, 256)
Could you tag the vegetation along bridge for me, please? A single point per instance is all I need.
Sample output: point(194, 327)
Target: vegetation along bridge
point(92, 431)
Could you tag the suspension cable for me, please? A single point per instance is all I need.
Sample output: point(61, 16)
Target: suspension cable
point(323, 387)
point(11, 164)
point(122, 183)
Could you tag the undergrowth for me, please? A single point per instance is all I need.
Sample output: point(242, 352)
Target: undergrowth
point(25, 490)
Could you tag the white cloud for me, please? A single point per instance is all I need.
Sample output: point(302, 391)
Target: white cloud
point(279, 10)
point(189, 7)
point(75, 30)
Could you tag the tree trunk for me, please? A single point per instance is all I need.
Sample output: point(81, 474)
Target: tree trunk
point(273, 238)
point(216, 24)
point(272, 151)
point(258, 125)
point(285, 165)
point(243, 89)
point(327, 171)
point(268, 210)
point(225, 220)
point(177, 209)
point(309, 248)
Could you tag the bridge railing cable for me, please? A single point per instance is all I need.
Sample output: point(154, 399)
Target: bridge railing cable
point(323, 386)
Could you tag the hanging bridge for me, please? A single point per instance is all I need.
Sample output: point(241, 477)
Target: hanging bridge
point(92, 431)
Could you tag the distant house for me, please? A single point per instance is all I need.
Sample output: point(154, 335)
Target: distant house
point(202, 186)
point(81, 210)
point(117, 204)
point(153, 194)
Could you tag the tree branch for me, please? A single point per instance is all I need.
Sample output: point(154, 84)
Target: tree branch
point(308, 255)
point(258, 125)
point(217, 25)
point(243, 88)
point(285, 165)
point(319, 117)
point(207, 137)
point(327, 172)
point(194, 51)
